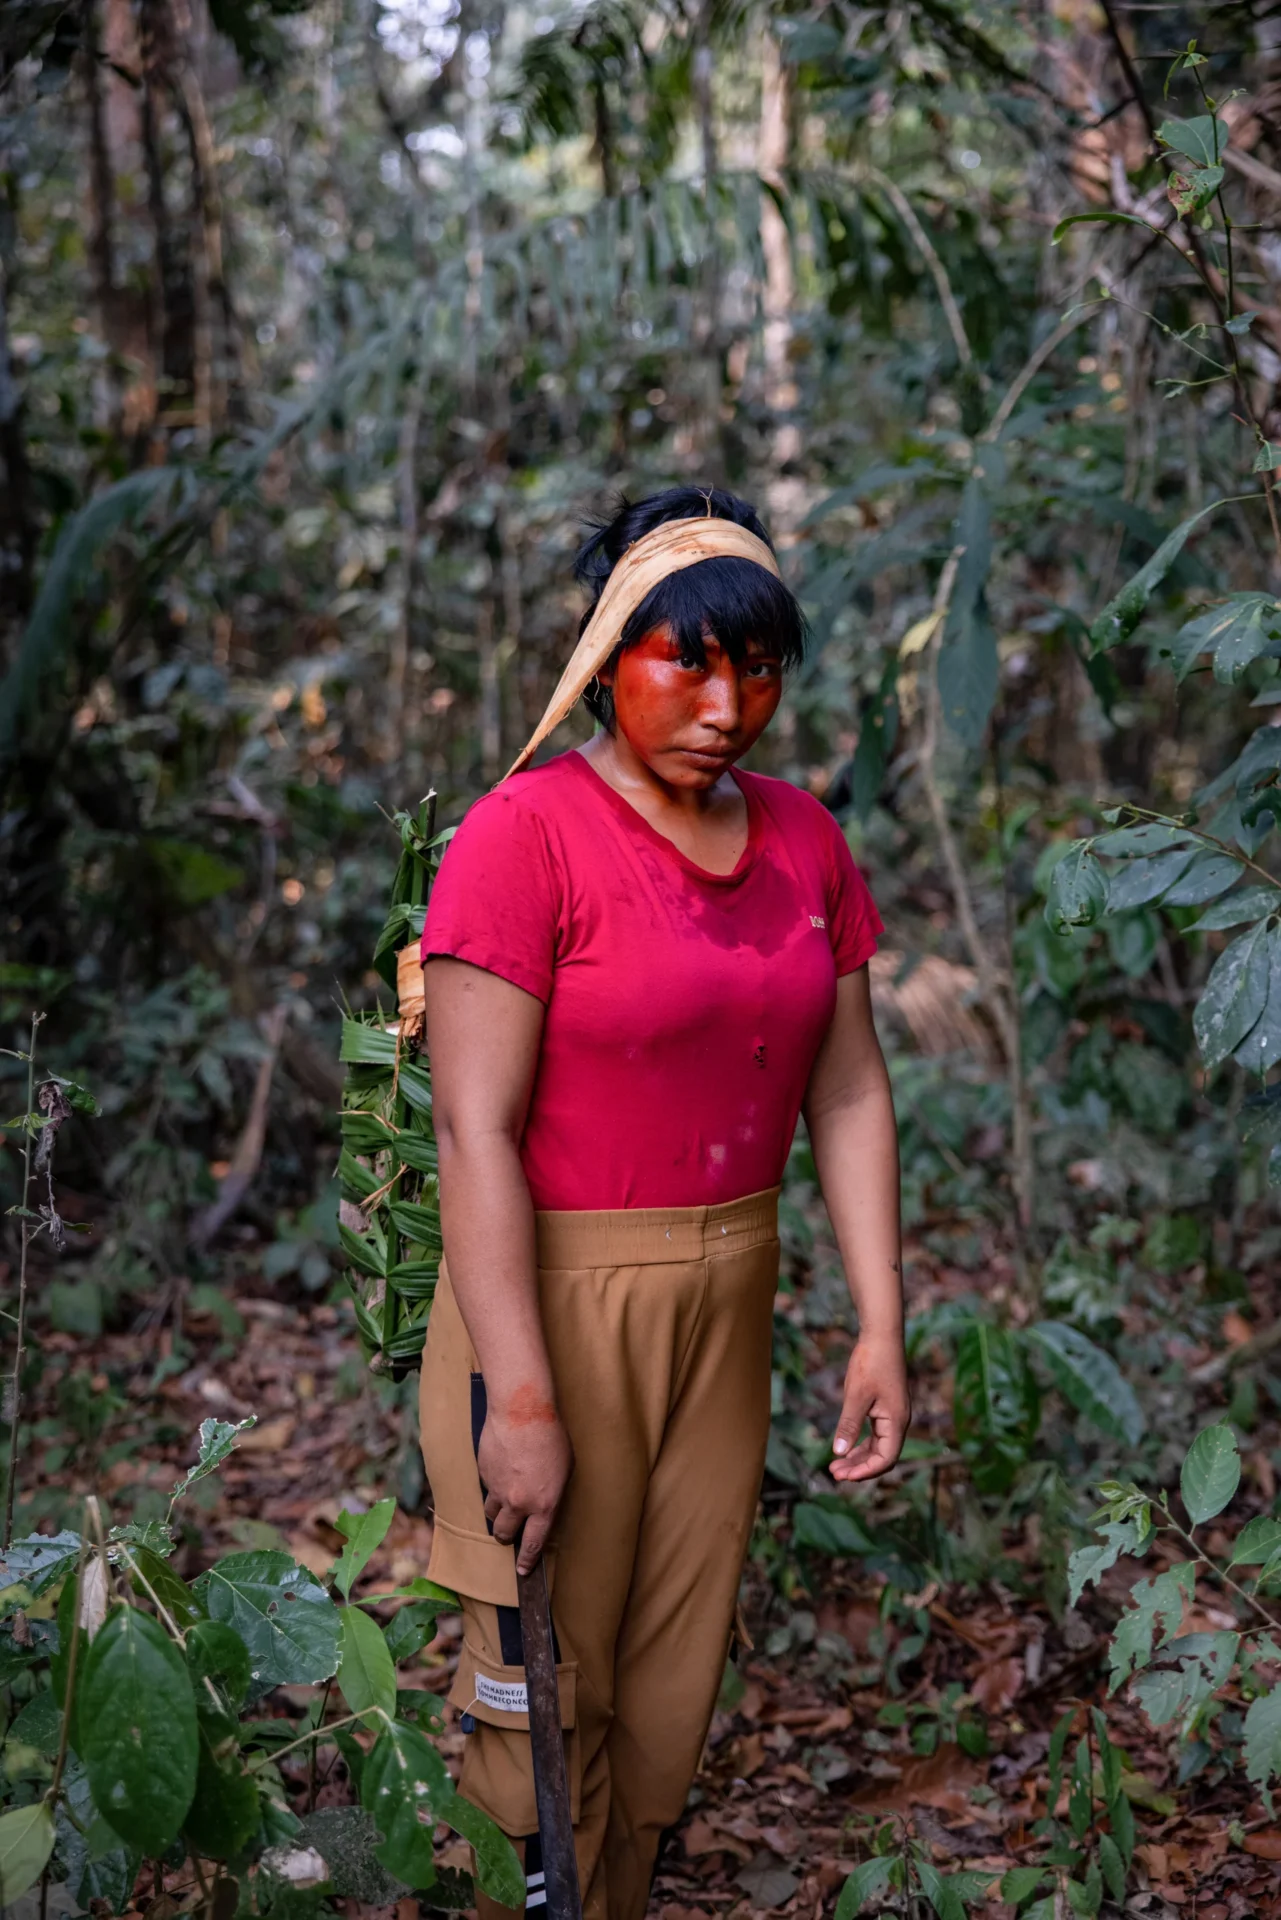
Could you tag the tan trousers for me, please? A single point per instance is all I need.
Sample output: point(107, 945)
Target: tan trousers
point(658, 1326)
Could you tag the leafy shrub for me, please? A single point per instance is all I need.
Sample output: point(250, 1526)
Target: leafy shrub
point(132, 1735)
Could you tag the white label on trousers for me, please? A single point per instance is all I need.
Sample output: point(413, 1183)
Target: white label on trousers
point(505, 1696)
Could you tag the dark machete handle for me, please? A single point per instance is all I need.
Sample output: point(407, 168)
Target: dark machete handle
point(547, 1746)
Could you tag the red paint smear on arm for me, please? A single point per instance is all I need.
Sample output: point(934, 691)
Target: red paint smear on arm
point(528, 1407)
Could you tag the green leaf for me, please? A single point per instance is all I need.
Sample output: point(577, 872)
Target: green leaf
point(1211, 1473)
point(1124, 611)
point(1268, 458)
point(498, 1871)
point(137, 1721)
point(406, 1787)
point(869, 1877)
point(1121, 1816)
point(39, 1723)
point(1149, 836)
point(415, 1084)
point(1089, 1380)
point(26, 1842)
point(216, 1652)
point(968, 667)
point(1234, 996)
point(828, 1530)
point(367, 1046)
point(1088, 1564)
point(216, 1439)
point(1153, 1604)
point(1237, 632)
point(1142, 880)
point(1261, 1048)
point(1202, 140)
point(1261, 1748)
point(153, 1575)
point(409, 1630)
point(366, 1673)
point(1078, 889)
point(364, 1534)
point(1020, 1882)
point(417, 1223)
point(995, 1405)
point(1189, 192)
point(363, 1254)
point(1257, 1541)
point(281, 1612)
point(1209, 875)
point(1109, 218)
point(1251, 903)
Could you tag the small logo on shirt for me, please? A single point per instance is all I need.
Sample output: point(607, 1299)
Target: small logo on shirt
point(817, 920)
point(759, 1055)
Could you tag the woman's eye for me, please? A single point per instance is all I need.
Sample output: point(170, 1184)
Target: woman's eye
point(762, 669)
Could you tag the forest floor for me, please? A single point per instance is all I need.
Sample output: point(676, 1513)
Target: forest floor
point(815, 1753)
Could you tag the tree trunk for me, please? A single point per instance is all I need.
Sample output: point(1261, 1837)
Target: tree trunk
point(783, 489)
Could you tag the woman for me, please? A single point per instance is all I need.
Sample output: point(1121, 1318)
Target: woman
point(640, 965)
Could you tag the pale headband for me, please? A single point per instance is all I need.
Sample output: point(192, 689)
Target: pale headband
point(675, 544)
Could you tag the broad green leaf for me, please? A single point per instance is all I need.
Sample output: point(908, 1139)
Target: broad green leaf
point(1257, 1541)
point(498, 1871)
point(1149, 836)
point(26, 1842)
point(1211, 1473)
point(1019, 1883)
point(216, 1652)
point(1202, 140)
point(216, 1439)
point(416, 1151)
point(1124, 611)
point(39, 1723)
point(137, 1721)
point(1261, 1750)
point(1155, 1605)
point(995, 1405)
point(1250, 903)
point(409, 1630)
point(364, 1255)
point(1089, 1380)
point(151, 1574)
point(1078, 889)
point(968, 667)
point(869, 1877)
point(1121, 1817)
point(1234, 996)
point(415, 1084)
point(1261, 1048)
point(826, 1530)
point(281, 1612)
point(1146, 878)
point(1209, 875)
point(405, 1786)
point(97, 1866)
point(366, 1673)
point(39, 1562)
point(364, 1534)
point(417, 1223)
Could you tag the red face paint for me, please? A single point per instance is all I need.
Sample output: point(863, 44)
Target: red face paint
point(689, 723)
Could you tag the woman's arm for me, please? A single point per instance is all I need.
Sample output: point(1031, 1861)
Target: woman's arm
point(483, 1036)
point(850, 1115)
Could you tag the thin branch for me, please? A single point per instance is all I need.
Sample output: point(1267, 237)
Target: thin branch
point(903, 207)
point(1036, 360)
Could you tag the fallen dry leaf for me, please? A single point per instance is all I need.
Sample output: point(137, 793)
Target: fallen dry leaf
point(942, 1779)
point(1264, 1846)
point(701, 1837)
point(997, 1685)
point(273, 1436)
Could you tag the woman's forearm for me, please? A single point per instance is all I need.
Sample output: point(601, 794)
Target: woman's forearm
point(855, 1147)
point(487, 1220)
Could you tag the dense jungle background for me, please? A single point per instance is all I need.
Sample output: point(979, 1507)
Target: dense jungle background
point(324, 330)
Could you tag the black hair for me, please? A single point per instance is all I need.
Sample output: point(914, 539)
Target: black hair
point(732, 599)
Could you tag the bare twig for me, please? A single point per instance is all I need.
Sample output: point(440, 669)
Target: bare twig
point(906, 213)
point(244, 1161)
point(1032, 366)
point(14, 1408)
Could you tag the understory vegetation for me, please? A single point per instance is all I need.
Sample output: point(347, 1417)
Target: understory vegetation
point(324, 328)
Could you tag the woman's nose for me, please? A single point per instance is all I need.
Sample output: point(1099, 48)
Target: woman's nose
point(720, 705)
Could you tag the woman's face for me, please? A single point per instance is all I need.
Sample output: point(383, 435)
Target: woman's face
point(689, 723)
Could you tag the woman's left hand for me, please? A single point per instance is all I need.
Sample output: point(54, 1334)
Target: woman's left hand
point(875, 1391)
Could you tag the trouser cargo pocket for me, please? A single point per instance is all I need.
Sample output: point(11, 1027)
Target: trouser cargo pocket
point(498, 1772)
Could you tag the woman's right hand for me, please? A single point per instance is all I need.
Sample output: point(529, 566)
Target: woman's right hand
point(525, 1460)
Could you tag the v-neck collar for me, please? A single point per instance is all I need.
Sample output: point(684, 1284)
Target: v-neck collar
point(636, 821)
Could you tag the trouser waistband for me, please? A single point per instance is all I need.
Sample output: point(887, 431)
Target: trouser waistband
point(656, 1236)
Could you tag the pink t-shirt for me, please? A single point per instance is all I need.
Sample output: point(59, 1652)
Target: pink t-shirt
point(684, 1008)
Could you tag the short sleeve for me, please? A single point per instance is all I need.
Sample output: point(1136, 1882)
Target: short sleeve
point(853, 922)
point(494, 902)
